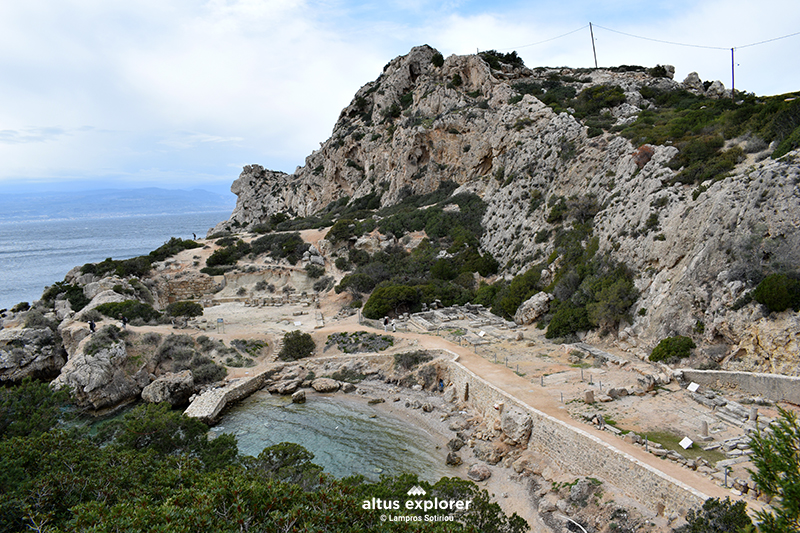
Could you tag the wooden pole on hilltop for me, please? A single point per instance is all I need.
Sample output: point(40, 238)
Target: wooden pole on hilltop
point(594, 51)
point(733, 76)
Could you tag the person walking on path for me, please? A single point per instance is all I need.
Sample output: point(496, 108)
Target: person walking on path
point(385, 323)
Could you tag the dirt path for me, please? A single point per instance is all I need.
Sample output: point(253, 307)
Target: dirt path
point(539, 398)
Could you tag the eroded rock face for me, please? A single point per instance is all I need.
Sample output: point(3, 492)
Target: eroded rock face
point(694, 249)
point(173, 387)
point(29, 352)
point(98, 380)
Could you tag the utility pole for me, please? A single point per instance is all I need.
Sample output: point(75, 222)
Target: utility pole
point(594, 51)
point(733, 76)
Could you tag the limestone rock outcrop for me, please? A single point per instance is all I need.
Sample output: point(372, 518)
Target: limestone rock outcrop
point(98, 380)
point(29, 352)
point(695, 249)
point(173, 387)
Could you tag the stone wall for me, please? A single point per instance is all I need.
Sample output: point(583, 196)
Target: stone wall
point(770, 386)
point(190, 288)
point(578, 452)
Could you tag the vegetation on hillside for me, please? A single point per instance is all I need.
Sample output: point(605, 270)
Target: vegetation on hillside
point(141, 265)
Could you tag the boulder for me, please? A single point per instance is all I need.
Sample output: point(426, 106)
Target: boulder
point(173, 387)
point(453, 459)
point(479, 472)
point(716, 90)
point(581, 490)
point(488, 452)
point(325, 385)
point(455, 444)
point(533, 308)
point(299, 397)
point(525, 464)
point(617, 393)
point(516, 425)
point(693, 83)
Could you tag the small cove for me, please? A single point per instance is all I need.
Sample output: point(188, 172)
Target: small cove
point(346, 435)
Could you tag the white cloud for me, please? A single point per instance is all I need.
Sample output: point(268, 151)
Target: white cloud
point(181, 88)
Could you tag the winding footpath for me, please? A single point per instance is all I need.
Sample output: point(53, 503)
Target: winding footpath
point(505, 379)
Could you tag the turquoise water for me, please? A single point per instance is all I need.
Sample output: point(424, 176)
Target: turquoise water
point(341, 434)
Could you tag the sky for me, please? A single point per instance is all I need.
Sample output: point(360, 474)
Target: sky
point(184, 93)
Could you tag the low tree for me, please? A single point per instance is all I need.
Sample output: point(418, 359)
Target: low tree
point(776, 456)
point(296, 345)
point(718, 516)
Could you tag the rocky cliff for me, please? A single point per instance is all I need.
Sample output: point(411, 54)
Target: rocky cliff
point(695, 245)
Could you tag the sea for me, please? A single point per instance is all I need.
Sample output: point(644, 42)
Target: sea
point(37, 253)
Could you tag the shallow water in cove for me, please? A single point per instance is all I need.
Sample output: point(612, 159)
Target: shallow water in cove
point(341, 434)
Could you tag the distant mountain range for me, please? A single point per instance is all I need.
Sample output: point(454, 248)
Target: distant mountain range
point(109, 203)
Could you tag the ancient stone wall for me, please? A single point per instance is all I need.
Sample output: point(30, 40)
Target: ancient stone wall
point(769, 386)
point(579, 452)
point(189, 288)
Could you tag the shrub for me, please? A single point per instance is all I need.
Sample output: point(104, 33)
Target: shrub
point(437, 60)
point(177, 348)
point(22, 306)
point(184, 308)
point(342, 264)
point(673, 349)
point(131, 309)
point(105, 337)
point(314, 271)
point(409, 360)
point(296, 345)
point(323, 284)
point(391, 299)
point(778, 292)
point(567, 320)
point(204, 370)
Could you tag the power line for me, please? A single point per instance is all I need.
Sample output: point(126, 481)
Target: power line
point(546, 40)
point(769, 40)
point(661, 41)
point(697, 45)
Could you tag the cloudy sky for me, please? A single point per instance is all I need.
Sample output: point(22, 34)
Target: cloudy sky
point(183, 93)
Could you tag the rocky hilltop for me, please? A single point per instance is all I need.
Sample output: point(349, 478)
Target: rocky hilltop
point(698, 215)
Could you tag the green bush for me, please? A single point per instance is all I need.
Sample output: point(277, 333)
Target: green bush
point(673, 349)
point(22, 306)
point(437, 60)
point(409, 360)
point(778, 292)
point(130, 309)
point(296, 345)
point(567, 320)
point(391, 299)
point(105, 337)
point(717, 516)
point(187, 309)
point(314, 271)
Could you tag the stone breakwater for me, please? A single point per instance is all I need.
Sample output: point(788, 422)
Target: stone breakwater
point(208, 405)
point(578, 452)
